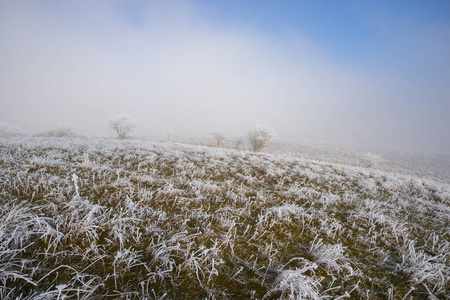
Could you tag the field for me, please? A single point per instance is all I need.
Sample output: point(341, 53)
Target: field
point(99, 218)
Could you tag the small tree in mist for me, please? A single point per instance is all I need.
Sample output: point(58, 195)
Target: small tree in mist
point(61, 130)
point(169, 133)
point(238, 143)
point(219, 137)
point(372, 160)
point(260, 136)
point(7, 130)
point(122, 124)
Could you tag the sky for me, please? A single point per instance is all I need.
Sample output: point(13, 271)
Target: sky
point(351, 72)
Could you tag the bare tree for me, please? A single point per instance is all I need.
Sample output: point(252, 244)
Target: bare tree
point(169, 133)
point(372, 160)
point(260, 136)
point(61, 130)
point(239, 143)
point(122, 124)
point(219, 137)
point(7, 130)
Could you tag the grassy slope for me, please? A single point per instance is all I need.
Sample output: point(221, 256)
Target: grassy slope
point(175, 221)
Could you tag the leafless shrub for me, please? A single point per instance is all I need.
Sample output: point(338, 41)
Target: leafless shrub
point(7, 130)
point(260, 136)
point(372, 160)
point(219, 137)
point(61, 130)
point(122, 124)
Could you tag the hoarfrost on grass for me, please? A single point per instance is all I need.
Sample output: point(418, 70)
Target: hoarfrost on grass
point(85, 218)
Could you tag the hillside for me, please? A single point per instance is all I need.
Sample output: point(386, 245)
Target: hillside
point(85, 219)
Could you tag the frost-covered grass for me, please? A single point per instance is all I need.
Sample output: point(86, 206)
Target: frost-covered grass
point(86, 219)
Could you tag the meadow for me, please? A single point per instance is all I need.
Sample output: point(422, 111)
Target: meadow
point(101, 218)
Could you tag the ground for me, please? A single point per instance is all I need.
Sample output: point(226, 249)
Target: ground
point(90, 218)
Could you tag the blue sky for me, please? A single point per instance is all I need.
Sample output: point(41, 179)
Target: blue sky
point(348, 31)
point(367, 72)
